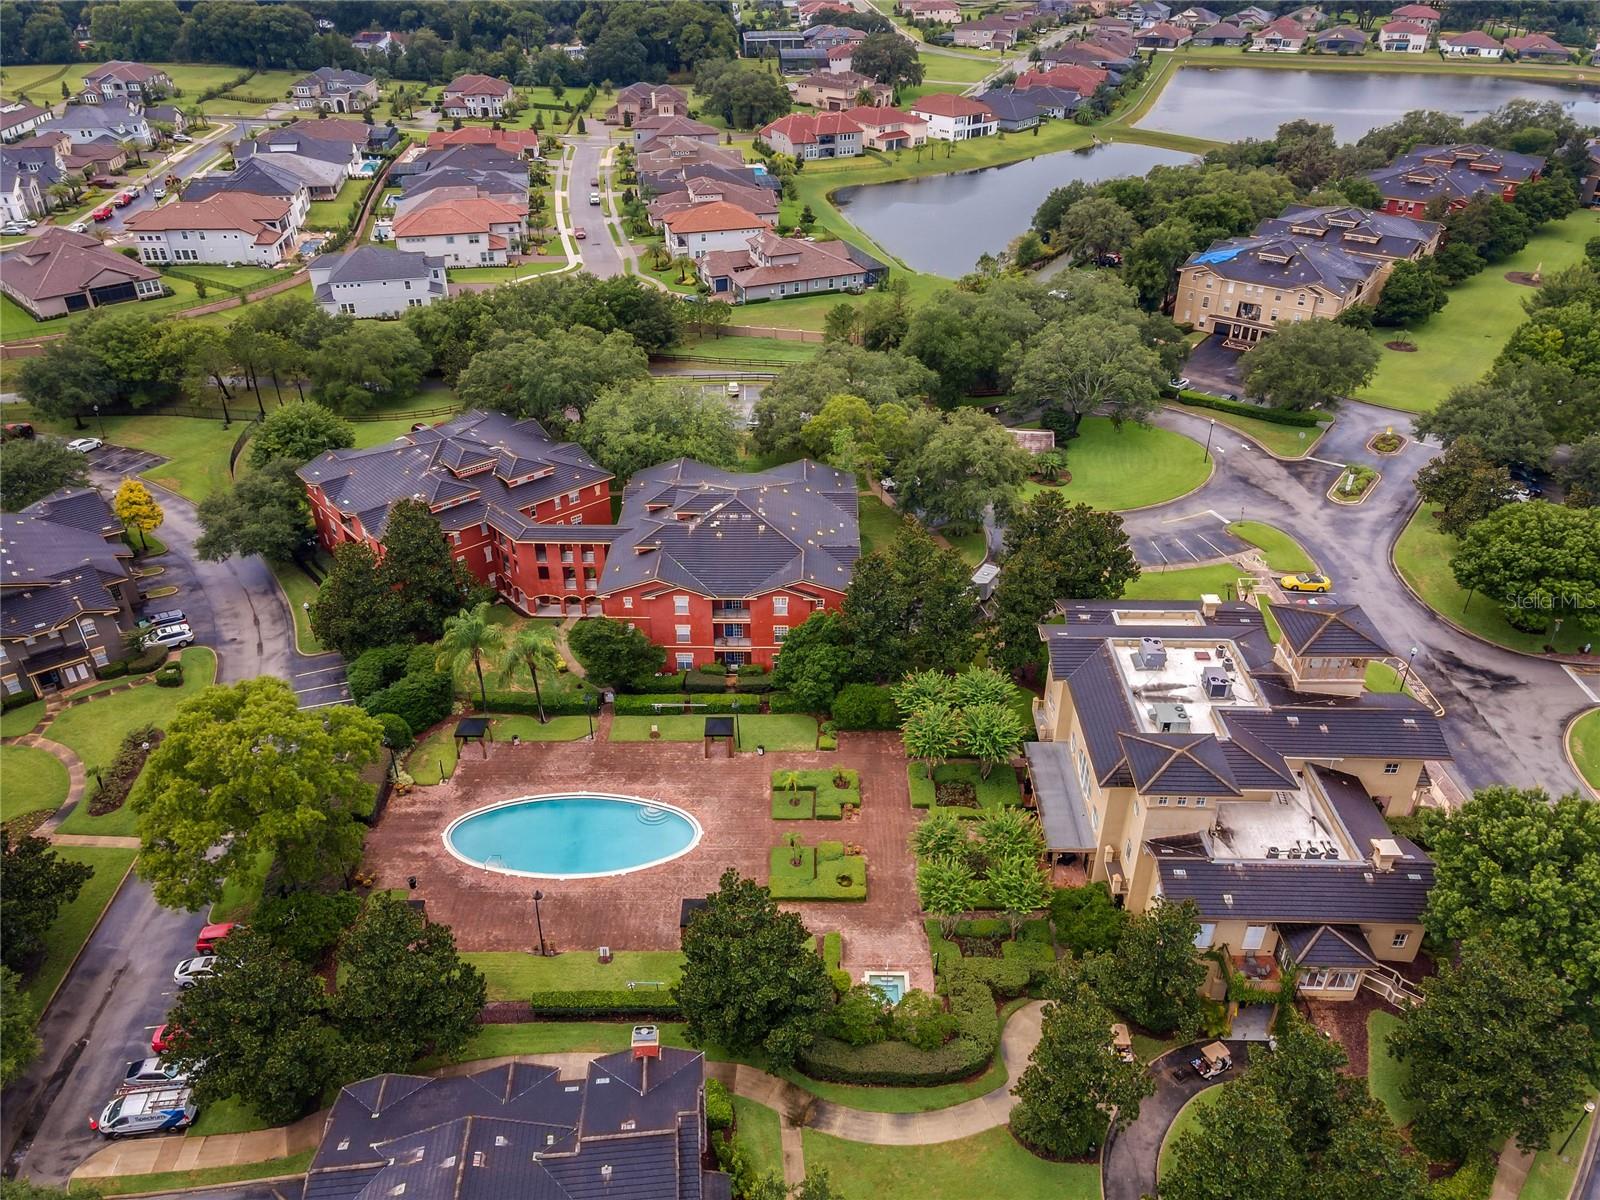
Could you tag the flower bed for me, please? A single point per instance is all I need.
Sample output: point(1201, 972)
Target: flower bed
point(118, 780)
point(818, 795)
point(820, 872)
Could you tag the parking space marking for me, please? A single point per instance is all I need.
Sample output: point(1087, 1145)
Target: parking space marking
point(318, 687)
point(319, 670)
point(1582, 686)
point(325, 703)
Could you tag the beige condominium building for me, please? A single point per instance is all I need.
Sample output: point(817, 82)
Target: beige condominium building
point(1185, 756)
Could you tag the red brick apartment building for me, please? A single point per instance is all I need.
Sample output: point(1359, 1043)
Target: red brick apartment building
point(1456, 174)
point(712, 565)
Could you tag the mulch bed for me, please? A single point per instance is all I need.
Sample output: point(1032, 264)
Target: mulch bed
point(1525, 278)
point(119, 778)
point(1402, 347)
point(20, 827)
point(1346, 1022)
point(977, 947)
point(955, 794)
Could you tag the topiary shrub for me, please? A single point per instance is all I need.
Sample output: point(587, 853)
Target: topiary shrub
point(170, 676)
point(861, 1018)
point(396, 733)
point(860, 706)
point(920, 1020)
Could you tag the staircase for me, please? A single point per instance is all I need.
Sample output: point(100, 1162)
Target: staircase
point(1391, 986)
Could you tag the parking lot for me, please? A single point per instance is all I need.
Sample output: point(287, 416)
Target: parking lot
point(121, 461)
point(319, 679)
point(1186, 541)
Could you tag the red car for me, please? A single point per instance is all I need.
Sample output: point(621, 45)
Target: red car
point(103, 213)
point(206, 942)
point(123, 199)
point(163, 1038)
point(580, 234)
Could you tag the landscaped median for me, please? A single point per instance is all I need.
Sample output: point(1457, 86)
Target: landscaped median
point(814, 795)
point(1583, 744)
point(433, 760)
point(1286, 433)
point(821, 872)
point(1280, 551)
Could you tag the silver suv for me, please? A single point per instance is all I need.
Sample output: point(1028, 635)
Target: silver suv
point(172, 636)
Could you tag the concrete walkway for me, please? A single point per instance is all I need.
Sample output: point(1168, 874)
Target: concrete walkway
point(77, 777)
point(797, 1109)
point(563, 649)
point(1511, 1173)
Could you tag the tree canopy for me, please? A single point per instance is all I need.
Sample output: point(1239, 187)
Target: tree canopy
point(32, 468)
point(1538, 560)
point(649, 422)
point(1309, 364)
point(298, 432)
point(265, 512)
point(542, 377)
point(39, 883)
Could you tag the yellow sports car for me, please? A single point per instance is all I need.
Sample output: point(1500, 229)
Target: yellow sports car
point(1306, 582)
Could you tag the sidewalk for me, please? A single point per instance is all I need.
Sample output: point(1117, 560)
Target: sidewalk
point(180, 1153)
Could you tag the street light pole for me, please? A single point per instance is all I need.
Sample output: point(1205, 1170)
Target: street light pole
point(538, 920)
point(101, 421)
point(1588, 1110)
point(1405, 671)
point(588, 711)
point(1211, 429)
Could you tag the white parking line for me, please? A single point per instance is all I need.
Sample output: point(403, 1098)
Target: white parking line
point(324, 704)
point(1582, 686)
point(318, 687)
point(318, 671)
point(1212, 544)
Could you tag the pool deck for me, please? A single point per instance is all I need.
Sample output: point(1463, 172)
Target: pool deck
point(639, 910)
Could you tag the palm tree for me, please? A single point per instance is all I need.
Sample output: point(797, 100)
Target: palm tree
point(468, 636)
point(534, 648)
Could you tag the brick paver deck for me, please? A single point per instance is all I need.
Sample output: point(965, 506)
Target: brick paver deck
point(639, 911)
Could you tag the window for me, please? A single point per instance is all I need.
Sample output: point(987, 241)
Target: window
point(1127, 851)
point(1254, 935)
point(683, 634)
point(86, 626)
point(1183, 802)
point(488, 553)
point(627, 602)
point(1391, 768)
point(1094, 819)
point(779, 632)
point(780, 606)
point(1199, 801)
point(685, 662)
point(1399, 940)
point(680, 605)
point(1202, 939)
point(577, 519)
point(1136, 806)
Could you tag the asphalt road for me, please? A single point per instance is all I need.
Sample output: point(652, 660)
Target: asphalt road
point(195, 155)
point(600, 254)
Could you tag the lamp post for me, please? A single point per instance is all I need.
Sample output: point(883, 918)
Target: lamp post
point(736, 723)
point(1405, 671)
point(538, 920)
point(1210, 429)
point(1588, 1110)
point(100, 421)
point(588, 711)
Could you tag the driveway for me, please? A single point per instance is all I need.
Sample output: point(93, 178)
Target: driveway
point(600, 254)
point(1129, 1171)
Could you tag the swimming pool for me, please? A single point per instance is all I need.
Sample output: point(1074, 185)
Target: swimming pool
point(572, 836)
point(891, 985)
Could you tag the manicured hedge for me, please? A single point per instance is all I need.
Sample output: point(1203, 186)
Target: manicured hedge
point(1278, 416)
point(700, 684)
point(819, 798)
point(644, 706)
point(525, 704)
point(170, 676)
point(865, 706)
point(832, 949)
point(818, 875)
point(620, 1002)
point(783, 702)
point(1000, 790)
point(1005, 977)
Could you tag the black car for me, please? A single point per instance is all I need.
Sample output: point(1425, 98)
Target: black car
point(1530, 479)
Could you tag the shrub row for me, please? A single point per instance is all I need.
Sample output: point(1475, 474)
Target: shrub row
point(783, 702)
point(525, 704)
point(170, 676)
point(645, 706)
point(1278, 416)
point(861, 706)
point(604, 1002)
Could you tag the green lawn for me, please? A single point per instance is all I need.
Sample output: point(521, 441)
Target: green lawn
point(946, 68)
point(554, 1037)
point(1286, 441)
point(75, 920)
point(1583, 740)
point(22, 719)
point(502, 274)
point(1384, 1073)
point(1423, 556)
point(785, 731)
point(196, 448)
point(438, 753)
point(341, 210)
point(1189, 583)
point(256, 95)
point(248, 278)
point(1459, 344)
point(30, 780)
point(163, 1181)
point(514, 975)
point(232, 1115)
point(16, 324)
point(744, 349)
point(1382, 679)
point(879, 523)
point(807, 795)
point(1133, 467)
point(94, 732)
point(756, 1128)
point(999, 790)
point(1282, 552)
point(16, 80)
point(301, 590)
point(971, 546)
point(1187, 1115)
point(1551, 1176)
point(823, 872)
point(952, 1172)
point(242, 892)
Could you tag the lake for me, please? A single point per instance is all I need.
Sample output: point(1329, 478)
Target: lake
point(1229, 104)
point(942, 223)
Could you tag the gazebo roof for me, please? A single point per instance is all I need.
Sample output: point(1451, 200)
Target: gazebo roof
point(719, 727)
point(471, 727)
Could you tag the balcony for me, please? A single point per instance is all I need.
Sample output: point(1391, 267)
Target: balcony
point(731, 642)
point(719, 613)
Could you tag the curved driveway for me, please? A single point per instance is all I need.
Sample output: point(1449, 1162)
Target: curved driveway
point(1505, 711)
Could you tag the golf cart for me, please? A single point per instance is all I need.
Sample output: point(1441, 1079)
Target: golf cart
point(1213, 1061)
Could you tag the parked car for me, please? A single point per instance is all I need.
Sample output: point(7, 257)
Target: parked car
point(13, 430)
point(734, 389)
point(13, 229)
point(157, 1110)
point(1213, 1061)
point(595, 182)
point(580, 233)
point(182, 137)
point(1528, 478)
point(79, 226)
point(594, 197)
point(143, 1072)
point(1178, 384)
point(1306, 581)
point(206, 942)
point(84, 445)
point(163, 1038)
point(172, 616)
point(123, 199)
point(192, 970)
point(174, 637)
point(103, 213)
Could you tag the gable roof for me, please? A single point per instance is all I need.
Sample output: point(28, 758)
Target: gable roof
point(1372, 729)
point(366, 264)
point(118, 68)
point(948, 104)
point(1295, 891)
point(1335, 632)
point(1283, 27)
point(473, 215)
point(1225, 30)
point(1471, 37)
point(1326, 946)
point(874, 116)
point(1536, 41)
point(1407, 27)
point(477, 85)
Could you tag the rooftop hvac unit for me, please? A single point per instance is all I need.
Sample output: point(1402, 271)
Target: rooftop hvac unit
point(1216, 683)
point(1169, 718)
point(1152, 654)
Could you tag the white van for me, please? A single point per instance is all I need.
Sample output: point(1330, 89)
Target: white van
point(158, 1110)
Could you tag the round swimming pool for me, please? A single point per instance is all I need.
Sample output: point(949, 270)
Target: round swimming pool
point(572, 837)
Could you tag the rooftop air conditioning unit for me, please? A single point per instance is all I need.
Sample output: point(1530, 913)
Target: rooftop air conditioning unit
point(1152, 654)
point(1216, 683)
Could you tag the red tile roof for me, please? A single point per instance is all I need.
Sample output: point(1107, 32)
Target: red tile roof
point(520, 139)
point(803, 128)
point(1419, 12)
point(458, 216)
point(1402, 27)
point(477, 85)
point(1083, 80)
point(1536, 41)
point(223, 210)
point(870, 116)
point(717, 217)
point(946, 104)
point(1472, 37)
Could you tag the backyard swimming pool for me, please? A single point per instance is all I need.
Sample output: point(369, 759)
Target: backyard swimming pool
point(572, 837)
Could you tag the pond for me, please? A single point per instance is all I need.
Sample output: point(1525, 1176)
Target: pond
point(1230, 104)
point(942, 223)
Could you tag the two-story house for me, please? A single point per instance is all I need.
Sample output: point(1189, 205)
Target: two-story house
point(67, 592)
point(380, 41)
point(702, 228)
point(1423, 14)
point(127, 82)
point(257, 176)
point(371, 281)
point(322, 164)
point(640, 100)
point(1183, 756)
point(230, 227)
point(475, 231)
point(117, 120)
point(1403, 37)
point(719, 566)
point(1283, 36)
point(953, 118)
point(18, 120)
point(835, 91)
point(333, 90)
point(885, 128)
point(21, 197)
point(481, 96)
point(814, 135)
point(1358, 231)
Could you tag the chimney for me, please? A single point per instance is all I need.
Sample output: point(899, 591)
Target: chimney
point(1385, 853)
point(1209, 603)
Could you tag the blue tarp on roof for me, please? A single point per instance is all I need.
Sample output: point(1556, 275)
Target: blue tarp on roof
point(1217, 256)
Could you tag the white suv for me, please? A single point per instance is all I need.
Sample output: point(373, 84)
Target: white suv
point(172, 636)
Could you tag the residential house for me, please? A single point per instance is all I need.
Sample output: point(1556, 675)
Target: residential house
point(1092, 55)
point(1195, 18)
point(810, 12)
point(1421, 14)
point(1242, 287)
point(1358, 231)
point(231, 227)
point(1452, 174)
point(759, 43)
point(21, 196)
point(258, 176)
point(97, 157)
point(380, 41)
point(1281, 36)
point(44, 161)
point(649, 129)
point(61, 272)
point(124, 82)
point(1253, 17)
point(1164, 36)
point(1345, 39)
point(1083, 80)
point(371, 281)
point(1054, 102)
point(1589, 185)
point(671, 155)
point(630, 1125)
point(1150, 12)
point(1538, 47)
point(814, 135)
point(885, 128)
point(953, 118)
point(770, 267)
point(939, 12)
point(67, 592)
point(529, 516)
point(802, 60)
point(522, 142)
point(1311, 16)
point(840, 59)
point(334, 90)
point(1117, 25)
point(987, 33)
point(366, 139)
point(834, 91)
point(827, 37)
point(702, 228)
point(639, 100)
point(495, 169)
point(480, 96)
point(168, 115)
point(1474, 43)
point(719, 566)
point(1403, 37)
point(1012, 110)
point(464, 232)
point(121, 121)
point(18, 120)
point(323, 166)
point(705, 189)
point(1182, 756)
point(1224, 33)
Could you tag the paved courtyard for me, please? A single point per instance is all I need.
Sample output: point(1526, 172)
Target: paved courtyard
point(639, 911)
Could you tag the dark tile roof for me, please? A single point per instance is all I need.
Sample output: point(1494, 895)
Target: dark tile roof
point(366, 264)
point(1456, 172)
point(369, 482)
point(257, 175)
point(1283, 261)
point(1297, 891)
point(80, 508)
point(1354, 230)
point(1178, 763)
point(55, 564)
point(1326, 946)
point(724, 533)
point(1358, 813)
point(1371, 730)
point(1330, 632)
